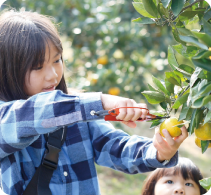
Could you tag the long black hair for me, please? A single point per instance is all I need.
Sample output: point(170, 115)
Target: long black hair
point(23, 39)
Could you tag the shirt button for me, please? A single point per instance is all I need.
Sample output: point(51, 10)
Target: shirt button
point(92, 112)
point(65, 174)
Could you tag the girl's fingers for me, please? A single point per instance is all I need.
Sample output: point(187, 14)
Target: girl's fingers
point(158, 138)
point(130, 111)
point(168, 137)
point(144, 111)
point(123, 111)
point(183, 136)
point(130, 124)
point(132, 114)
point(137, 111)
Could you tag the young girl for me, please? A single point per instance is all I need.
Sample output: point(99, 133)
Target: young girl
point(181, 179)
point(34, 103)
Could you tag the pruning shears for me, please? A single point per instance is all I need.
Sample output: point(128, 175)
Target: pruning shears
point(110, 115)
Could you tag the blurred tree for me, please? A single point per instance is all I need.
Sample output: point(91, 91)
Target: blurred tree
point(93, 30)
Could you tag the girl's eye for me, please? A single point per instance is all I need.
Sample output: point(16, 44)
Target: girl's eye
point(169, 181)
point(189, 184)
point(37, 68)
point(58, 61)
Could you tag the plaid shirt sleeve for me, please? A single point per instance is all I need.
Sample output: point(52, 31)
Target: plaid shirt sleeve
point(22, 121)
point(118, 150)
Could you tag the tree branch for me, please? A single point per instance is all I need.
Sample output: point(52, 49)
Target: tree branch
point(197, 1)
point(190, 5)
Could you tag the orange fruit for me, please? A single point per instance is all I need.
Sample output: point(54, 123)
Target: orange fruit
point(94, 80)
point(114, 91)
point(102, 60)
point(169, 124)
point(203, 132)
point(198, 143)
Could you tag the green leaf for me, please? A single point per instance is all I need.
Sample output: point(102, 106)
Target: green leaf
point(198, 118)
point(195, 75)
point(202, 54)
point(208, 117)
point(151, 88)
point(207, 15)
point(155, 123)
point(192, 122)
point(162, 10)
point(186, 68)
point(204, 145)
point(189, 14)
point(186, 51)
point(189, 114)
point(172, 78)
point(154, 97)
point(165, 3)
point(183, 73)
point(163, 105)
point(207, 27)
point(194, 91)
point(201, 102)
point(205, 183)
point(194, 41)
point(141, 9)
point(202, 85)
point(180, 24)
point(159, 85)
point(181, 100)
point(171, 58)
point(205, 89)
point(176, 36)
point(202, 63)
point(185, 31)
point(184, 111)
point(177, 6)
point(169, 86)
point(144, 20)
point(150, 7)
point(203, 37)
point(205, 75)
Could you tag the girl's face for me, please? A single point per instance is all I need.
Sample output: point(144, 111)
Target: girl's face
point(47, 77)
point(175, 184)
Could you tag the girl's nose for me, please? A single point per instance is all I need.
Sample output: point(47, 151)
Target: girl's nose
point(179, 191)
point(51, 74)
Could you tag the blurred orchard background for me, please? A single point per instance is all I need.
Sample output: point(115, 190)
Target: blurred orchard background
point(105, 51)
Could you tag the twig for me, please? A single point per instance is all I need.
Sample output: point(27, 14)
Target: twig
point(186, 8)
point(190, 5)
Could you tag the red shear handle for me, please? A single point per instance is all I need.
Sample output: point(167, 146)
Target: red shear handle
point(114, 112)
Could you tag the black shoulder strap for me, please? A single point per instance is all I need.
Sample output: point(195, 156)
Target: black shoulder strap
point(39, 184)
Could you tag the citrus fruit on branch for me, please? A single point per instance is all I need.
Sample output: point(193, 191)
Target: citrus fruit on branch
point(203, 132)
point(170, 125)
point(198, 143)
point(102, 60)
point(114, 91)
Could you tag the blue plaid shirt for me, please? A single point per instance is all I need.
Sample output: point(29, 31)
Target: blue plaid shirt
point(23, 124)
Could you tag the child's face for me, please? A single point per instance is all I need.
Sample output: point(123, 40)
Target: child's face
point(47, 77)
point(175, 184)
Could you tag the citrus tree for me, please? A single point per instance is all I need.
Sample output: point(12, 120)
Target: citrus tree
point(186, 89)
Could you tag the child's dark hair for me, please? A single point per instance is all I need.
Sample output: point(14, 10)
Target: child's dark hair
point(185, 167)
point(24, 36)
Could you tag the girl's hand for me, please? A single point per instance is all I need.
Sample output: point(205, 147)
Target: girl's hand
point(128, 115)
point(168, 146)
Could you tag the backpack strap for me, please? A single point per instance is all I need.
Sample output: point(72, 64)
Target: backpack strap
point(39, 184)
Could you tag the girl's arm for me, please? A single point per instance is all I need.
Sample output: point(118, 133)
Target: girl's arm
point(22, 121)
point(130, 154)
